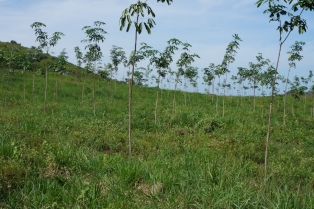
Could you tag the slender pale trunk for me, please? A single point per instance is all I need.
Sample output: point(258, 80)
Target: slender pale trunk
point(254, 95)
point(270, 115)
point(56, 89)
point(213, 91)
point(131, 92)
point(242, 95)
point(238, 100)
point(174, 98)
point(158, 81)
point(7, 88)
point(185, 92)
point(292, 108)
point(115, 86)
point(33, 89)
point(94, 99)
point(46, 87)
point(83, 87)
point(313, 103)
point(223, 100)
point(304, 101)
point(156, 108)
point(217, 94)
point(25, 85)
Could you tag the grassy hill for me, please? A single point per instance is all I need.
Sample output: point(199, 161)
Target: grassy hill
point(13, 55)
point(192, 158)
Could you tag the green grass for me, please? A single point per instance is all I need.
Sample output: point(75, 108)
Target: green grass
point(68, 158)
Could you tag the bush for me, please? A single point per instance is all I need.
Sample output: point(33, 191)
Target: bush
point(209, 124)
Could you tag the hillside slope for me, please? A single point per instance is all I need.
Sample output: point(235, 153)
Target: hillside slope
point(186, 157)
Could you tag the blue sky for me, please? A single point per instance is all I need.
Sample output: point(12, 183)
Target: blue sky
point(207, 25)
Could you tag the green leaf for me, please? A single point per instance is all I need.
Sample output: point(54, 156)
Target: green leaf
point(128, 28)
point(140, 28)
point(147, 29)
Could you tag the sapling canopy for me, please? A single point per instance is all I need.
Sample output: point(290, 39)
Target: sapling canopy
point(137, 10)
point(94, 35)
point(45, 42)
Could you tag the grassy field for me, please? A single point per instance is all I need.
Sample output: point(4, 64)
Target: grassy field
point(194, 158)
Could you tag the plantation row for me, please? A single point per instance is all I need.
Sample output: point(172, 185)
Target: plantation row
point(193, 157)
point(257, 78)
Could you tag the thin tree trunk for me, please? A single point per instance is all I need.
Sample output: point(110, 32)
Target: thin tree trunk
point(185, 93)
point(25, 85)
point(254, 95)
point(217, 95)
point(292, 109)
point(83, 88)
point(304, 101)
point(285, 99)
point(94, 99)
point(223, 100)
point(130, 93)
point(213, 91)
point(270, 115)
point(156, 108)
point(174, 98)
point(46, 87)
point(33, 88)
point(56, 89)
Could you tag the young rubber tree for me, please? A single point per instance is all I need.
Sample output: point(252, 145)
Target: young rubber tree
point(25, 62)
point(138, 10)
point(60, 67)
point(185, 60)
point(229, 58)
point(45, 42)
point(287, 13)
point(117, 56)
point(34, 55)
point(241, 75)
point(305, 82)
point(209, 78)
point(80, 59)
point(218, 72)
point(94, 35)
point(295, 55)
point(254, 74)
point(159, 61)
point(191, 75)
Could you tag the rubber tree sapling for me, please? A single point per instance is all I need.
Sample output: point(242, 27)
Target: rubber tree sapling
point(253, 74)
point(190, 74)
point(185, 60)
point(157, 60)
point(94, 35)
point(60, 67)
point(295, 55)
point(209, 78)
point(45, 42)
point(138, 10)
point(117, 56)
point(305, 82)
point(218, 72)
point(25, 61)
point(277, 12)
point(80, 59)
point(229, 58)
